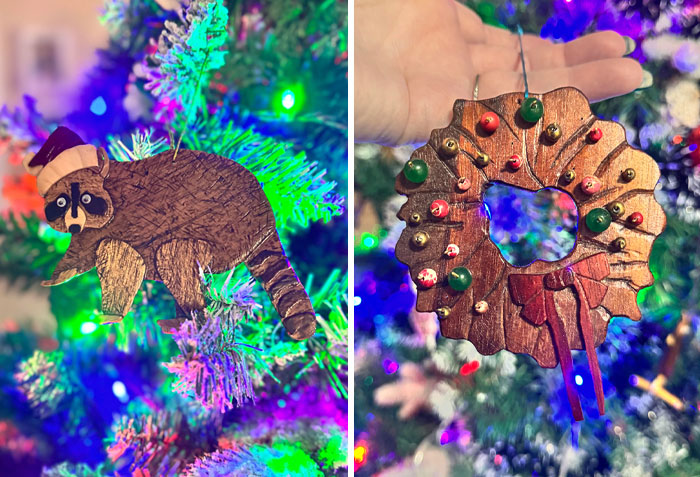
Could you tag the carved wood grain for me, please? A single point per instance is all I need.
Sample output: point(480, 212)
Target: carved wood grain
point(172, 213)
point(502, 327)
point(121, 270)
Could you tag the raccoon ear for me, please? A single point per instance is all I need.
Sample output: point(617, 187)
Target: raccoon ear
point(33, 170)
point(102, 162)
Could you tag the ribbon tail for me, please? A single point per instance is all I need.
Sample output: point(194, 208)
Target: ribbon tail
point(589, 344)
point(562, 345)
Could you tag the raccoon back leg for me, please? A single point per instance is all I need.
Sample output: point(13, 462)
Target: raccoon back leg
point(121, 270)
point(178, 263)
point(269, 264)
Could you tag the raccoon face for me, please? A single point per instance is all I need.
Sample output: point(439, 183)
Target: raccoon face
point(78, 201)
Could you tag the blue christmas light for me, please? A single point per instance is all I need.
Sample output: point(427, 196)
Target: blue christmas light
point(357, 300)
point(119, 390)
point(98, 106)
point(578, 379)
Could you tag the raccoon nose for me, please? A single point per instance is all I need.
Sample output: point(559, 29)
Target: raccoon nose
point(74, 229)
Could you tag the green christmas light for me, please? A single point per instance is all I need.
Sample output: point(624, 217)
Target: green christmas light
point(88, 327)
point(289, 100)
point(369, 241)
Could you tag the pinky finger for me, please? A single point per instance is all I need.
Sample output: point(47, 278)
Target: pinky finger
point(598, 80)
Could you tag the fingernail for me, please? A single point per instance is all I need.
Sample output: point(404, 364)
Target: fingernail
point(647, 80)
point(630, 45)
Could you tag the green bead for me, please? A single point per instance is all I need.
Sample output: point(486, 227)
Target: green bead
point(531, 110)
point(598, 220)
point(460, 278)
point(416, 171)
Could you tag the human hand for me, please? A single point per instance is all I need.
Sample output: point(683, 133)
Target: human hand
point(414, 59)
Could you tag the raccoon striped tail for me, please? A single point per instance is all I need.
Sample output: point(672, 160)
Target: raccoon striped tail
point(269, 264)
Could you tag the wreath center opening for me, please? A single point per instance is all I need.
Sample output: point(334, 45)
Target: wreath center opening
point(528, 226)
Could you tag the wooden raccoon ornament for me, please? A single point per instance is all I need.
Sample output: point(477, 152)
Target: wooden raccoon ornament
point(160, 218)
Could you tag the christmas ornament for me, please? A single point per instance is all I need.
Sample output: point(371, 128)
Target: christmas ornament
point(553, 132)
point(590, 185)
point(439, 208)
point(595, 135)
point(515, 162)
point(427, 278)
point(531, 109)
point(452, 250)
point(636, 218)
point(463, 184)
point(598, 220)
point(162, 218)
point(416, 171)
point(489, 122)
point(547, 308)
point(449, 147)
point(628, 174)
point(616, 209)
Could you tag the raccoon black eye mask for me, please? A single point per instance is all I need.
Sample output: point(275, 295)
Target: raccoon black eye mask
point(56, 209)
point(164, 217)
point(90, 203)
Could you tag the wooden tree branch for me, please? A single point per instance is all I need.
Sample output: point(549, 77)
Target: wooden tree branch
point(674, 345)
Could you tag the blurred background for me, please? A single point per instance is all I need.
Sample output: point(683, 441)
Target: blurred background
point(45, 50)
point(263, 83)
point(425, 405)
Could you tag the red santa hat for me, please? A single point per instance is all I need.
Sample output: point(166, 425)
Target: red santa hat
point(63, 152)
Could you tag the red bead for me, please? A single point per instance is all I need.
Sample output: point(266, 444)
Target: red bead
point(595, 135)
point(636, 218)
point(439, 208)
point(452, 250)
point(515, 162)
point(463, 184)
point(427, 278)
point(489, 122)
point(590, 185)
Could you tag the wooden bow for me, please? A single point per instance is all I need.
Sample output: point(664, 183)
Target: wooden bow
point(536, 294)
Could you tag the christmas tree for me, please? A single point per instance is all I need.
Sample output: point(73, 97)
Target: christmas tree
point(426, 405)
point(263, 84)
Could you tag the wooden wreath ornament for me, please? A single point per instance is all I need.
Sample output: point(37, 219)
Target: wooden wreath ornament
point(162, 218)
point(545, 309)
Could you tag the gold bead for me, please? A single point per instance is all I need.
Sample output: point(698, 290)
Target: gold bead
point(628, 174)
point(553, 132)
point(482, 160)
point(616, 209)
point(569, 176)
point(415, 218)
point(481, 307)
point(619, 243)
point(420, 239)
point(449, 147)
point(443, 312)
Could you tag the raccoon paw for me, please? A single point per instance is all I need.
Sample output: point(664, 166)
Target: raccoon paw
point(60, 278)
point(111, 319)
